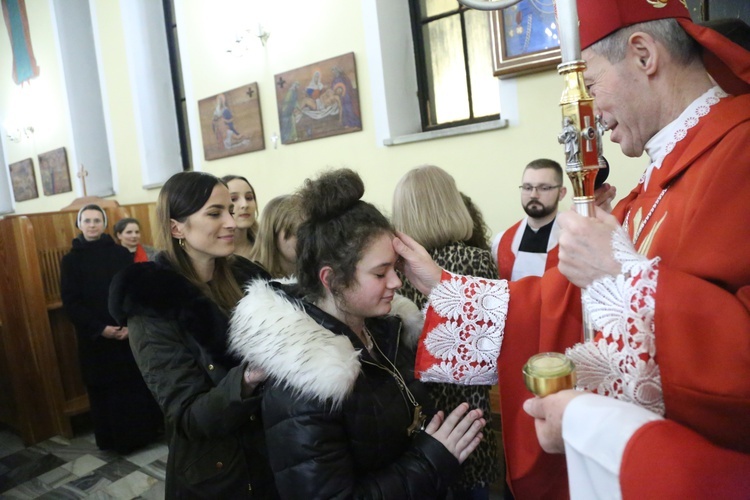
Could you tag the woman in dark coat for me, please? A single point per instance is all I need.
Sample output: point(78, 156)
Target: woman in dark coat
point(177, 312)
point(342, 412)
point(124, 413)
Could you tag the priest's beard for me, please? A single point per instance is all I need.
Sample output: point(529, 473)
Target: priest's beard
point(536, 209)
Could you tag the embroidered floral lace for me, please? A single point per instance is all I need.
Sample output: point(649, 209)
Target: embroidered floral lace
point(622, 362)
point(468, 343)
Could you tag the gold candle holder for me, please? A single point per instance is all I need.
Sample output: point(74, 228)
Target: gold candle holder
point(549, 372)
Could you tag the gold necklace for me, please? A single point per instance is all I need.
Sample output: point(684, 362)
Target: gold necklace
point(418, 418)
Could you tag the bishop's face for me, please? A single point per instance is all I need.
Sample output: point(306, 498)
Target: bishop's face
point(629, 108)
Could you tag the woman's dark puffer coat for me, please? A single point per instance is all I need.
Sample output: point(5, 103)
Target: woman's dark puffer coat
point(336, 420)
point(178, 335)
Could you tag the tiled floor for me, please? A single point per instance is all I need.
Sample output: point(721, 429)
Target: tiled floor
point(75, 468)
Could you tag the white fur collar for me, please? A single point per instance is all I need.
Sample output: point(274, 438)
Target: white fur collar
point(279, 337)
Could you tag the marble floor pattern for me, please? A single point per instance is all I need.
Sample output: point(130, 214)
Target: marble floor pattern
point(61, 468)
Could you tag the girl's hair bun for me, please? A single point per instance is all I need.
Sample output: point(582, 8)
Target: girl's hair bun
point(331, 194)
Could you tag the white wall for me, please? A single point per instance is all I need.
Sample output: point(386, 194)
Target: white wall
point(487, 165)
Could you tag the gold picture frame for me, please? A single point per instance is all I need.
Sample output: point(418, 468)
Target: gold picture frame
point(523, 38)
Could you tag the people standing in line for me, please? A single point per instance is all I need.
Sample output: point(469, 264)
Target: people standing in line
point(177, 311)
point(428, 206)
point(342, 412)
point(128, 232)
point(123, 412)
point(276, 242)
point(664, 294)
point(529, 247)
point(245, 213)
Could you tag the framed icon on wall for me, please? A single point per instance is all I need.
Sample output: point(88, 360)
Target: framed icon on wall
point(319, 100)
point(231, 122)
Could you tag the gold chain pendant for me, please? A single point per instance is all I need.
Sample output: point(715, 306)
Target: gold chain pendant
point(417, 423)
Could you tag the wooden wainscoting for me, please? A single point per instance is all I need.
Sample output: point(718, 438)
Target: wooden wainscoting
point(40, 379)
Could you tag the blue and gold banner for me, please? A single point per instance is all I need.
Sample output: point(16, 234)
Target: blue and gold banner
point(24, 63)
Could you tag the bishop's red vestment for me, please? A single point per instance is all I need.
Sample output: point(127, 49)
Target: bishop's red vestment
point(685, 315)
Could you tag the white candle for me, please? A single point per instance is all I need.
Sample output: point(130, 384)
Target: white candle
point(567, 26)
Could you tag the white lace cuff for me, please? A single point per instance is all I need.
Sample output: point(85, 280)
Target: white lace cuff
point(468, 339)
point(622, 362)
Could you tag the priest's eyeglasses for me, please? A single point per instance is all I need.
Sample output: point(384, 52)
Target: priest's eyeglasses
point(542, 188)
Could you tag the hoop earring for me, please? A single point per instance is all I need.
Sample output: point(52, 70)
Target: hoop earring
point(181, 242)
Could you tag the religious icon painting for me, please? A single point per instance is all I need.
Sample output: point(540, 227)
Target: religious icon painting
point(23, 179)
point(53, 167)
point(318, 100)
point(524, 38)
point(231, 123)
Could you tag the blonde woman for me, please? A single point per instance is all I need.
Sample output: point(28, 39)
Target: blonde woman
point(275, 245)
point(428, 206)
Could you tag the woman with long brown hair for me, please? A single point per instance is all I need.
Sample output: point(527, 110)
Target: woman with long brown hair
point(177, 312)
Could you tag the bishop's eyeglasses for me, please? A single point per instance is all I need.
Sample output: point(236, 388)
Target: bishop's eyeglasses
point(542, 188)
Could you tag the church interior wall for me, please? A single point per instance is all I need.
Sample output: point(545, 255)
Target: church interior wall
point(487, 165)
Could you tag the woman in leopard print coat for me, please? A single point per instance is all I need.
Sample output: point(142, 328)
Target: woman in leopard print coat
point(428, 206)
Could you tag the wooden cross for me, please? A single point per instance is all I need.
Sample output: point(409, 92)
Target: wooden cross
point(82, 173)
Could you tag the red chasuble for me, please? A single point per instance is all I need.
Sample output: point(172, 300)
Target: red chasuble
point(693, 467)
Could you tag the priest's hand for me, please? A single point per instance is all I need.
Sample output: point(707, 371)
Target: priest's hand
point(416, 263)
point(460, 432)
point(586, 247)
point(548, 415)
